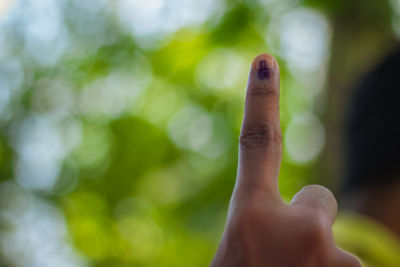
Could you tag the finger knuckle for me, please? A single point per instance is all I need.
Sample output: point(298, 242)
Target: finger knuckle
point(263, 92)
point(260, 134)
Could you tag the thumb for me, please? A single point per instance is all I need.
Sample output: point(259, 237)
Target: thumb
point(318, 198)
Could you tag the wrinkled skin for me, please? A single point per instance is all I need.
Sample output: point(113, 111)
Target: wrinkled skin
point(262, 230)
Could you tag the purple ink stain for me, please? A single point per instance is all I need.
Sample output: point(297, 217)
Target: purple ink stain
point(263, 70)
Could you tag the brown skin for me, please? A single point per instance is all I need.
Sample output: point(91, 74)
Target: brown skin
point(261, 230)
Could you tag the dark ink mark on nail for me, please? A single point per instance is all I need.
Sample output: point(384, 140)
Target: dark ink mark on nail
point(263, 70)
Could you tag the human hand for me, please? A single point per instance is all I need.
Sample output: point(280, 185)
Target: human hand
point(261, 229)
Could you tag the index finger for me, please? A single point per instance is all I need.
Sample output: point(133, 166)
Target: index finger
point(260, 146)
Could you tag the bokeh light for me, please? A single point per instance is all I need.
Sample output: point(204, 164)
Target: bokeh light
point(119, 122)
point(304, 138)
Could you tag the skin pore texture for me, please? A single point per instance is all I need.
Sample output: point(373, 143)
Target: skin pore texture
point(261, 230)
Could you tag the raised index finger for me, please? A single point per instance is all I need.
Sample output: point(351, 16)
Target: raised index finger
point(260, 139)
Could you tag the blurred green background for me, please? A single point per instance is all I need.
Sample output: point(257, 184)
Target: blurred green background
point(119, 120)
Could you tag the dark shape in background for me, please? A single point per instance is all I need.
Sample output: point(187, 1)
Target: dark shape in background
point(120, 119)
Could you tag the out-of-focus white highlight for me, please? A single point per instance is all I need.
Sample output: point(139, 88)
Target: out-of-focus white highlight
point(40, 27)
point(110, 96)
point(191, 128)
point(41, 145)
point(113, 95)
point(36, 235)
point(155, 19)
point(194, 129)
point(5, 6)
point(304, 138)
point(222, 69)
point(302, 36)
point(40, 151)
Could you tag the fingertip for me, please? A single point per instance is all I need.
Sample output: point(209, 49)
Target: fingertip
point(269, 59)
point(317, 197)
point(263, 65)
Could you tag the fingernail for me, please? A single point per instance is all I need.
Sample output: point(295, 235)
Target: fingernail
point(265, 67)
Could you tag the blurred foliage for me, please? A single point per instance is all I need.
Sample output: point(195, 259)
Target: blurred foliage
point(119, 128)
